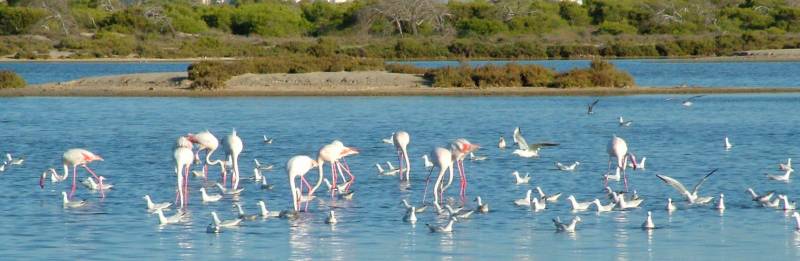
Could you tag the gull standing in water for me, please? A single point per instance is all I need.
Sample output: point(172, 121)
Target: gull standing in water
point(14, 161)
point(566, 227)
point(482, 207)
point(331, 219)
point(648, 223)
point(242, 215)
point(604, 208)
point(519, 179)
point(225, 223)
point(639, 166)
point(728, 144)
point(763, 198)
point(670, 206)
point(209, 198)
point(578, 206)
point(93, 185)
point(389, 140)
point(538, 205)
point(72, 204)
point(786, 204)
point(785, 177)
point(411, 215)
point(428, 163)
point(721, 202)
point(228, 191)
point(265, 213)
point(472, 157)
point(390, 171)
point(690, 196)
point(528, 151)
point(624, 123)
point(267, 140)
point(409, 206)
point(152, 207)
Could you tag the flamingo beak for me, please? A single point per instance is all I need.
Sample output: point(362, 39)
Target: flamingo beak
point(99, 158)
point(41, 180)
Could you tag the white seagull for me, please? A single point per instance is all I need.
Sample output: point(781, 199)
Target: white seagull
point(526, 201)
point(209, 198)
point(225, 223)
point(152, 207)
point(228, 191)
point(796, 217)
point(502, 143)
point(639, 166)
point(411, 215)
point(648, 223)
point(331, 219)
point(786, 204)
point(569, 227)
point(670, 206)
point(538, 205)
point(519, 179)
point(174, 219)
point(691, 196)
point(92, 185)
point(265, 213)
point(525, 150)
point(472, 157)
point(785, 166)
point(391, 171)
point(442, 229)
point(578, 206)
point(72, 204)
point(571, 167)
point(728, 144)
point(482, 207)
point(428, 163)
point(604, 208)
point(785, 177)
point(389, 140)
point(267, 140)
point(624, 123)
point(242, 215)
point(417, 209)
point(552, 198)
point(763, 198)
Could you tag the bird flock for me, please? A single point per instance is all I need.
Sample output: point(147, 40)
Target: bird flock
point(440, 166)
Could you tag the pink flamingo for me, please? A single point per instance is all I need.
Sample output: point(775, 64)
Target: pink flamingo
point(298, 166)
point(401, 140)
point(332, 153)
point(618, 148)
point(183, 161)
point(235, 147)
point(75, 158)
point(207, 141)
point(444, 160)
point(460, 148)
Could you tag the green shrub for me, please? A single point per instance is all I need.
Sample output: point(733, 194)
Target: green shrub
point(616, 28)
point(599, 74)
point(405, 68)
point(451, 77)
point(17, 20)
point(10, 79)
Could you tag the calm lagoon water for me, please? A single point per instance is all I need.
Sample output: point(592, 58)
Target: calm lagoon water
point(136, 135)
point(651, 72)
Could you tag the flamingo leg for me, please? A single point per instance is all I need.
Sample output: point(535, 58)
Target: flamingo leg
point(205, 173)
point(185, 187)
point(427, 181)
point(102, 194)
point(463, 180)
point(352, 177)
point(333, 174)
point(74, 179)
point(400, 159)
point(304, 181)
point(179, 191)
point(342, 166)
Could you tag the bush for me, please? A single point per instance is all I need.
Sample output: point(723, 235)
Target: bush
point(405, 68)
point(17, 20)
point(269, 19)
point(451, 77)
point(509, 75)
point(599, 74)
point(10, 79)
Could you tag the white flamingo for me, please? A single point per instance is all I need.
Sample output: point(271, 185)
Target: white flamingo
point(235, 147)
point(209, 143)
point(618, 148)
point(183, 157)
point(75, 158)
point(401, 140)
point(298, 166)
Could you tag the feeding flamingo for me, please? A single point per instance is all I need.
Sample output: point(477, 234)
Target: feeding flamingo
point(401, 140)
point(75, 158)
point(618, 148)
point(444, 160)
point(332, 153)
point(235, 147)
point(298, 166)
point(208, 142)
point(183, 161)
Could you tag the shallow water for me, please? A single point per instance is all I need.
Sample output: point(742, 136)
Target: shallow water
point(136, 135)
point(646, 72)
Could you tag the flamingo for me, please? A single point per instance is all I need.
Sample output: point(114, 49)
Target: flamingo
point(183, 161)
point(298, 166)
point(460, 148)
point(401, 140)
point(75, 158)
point(208, 142)
point(332, 153)
point(618, 148)
point(444, 160)
point(235, 147)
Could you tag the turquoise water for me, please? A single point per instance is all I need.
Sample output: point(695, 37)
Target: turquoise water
point(652, 72)
point(136, 136)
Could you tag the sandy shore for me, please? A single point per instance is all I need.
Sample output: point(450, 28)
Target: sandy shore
point(373, 83)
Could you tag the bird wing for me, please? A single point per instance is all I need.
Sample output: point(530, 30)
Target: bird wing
point(694, 97)
point(523, 145)
point(591, 105)
point(703, 180)
point(675, 184)
point(541, 145)
point(669, 99)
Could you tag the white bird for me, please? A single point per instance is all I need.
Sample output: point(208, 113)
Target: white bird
point(339, 187)
point(785, 166)
point(331, 219)
point(526, 201)
point(624, 123)
point(209, 198)
point(417, 209)
point(615, 177)
point(152, 207)
point(728, 144)
point(92, 185)
point(525, 150)
point(786, 204)
point(670, 206)
point(604, 208)
point(552, 198)
point(267, 140)
point(519, 179)
point(166, 220)
point(472, 157)
point(242, 215)
point(225, 223)
point(265, 185)
point(538, 205)
point(502, 143)
point(14, 161)
point(688, 102)
point(411, 215)
point(482, 207)
point(461, 213)
point(391, 171)
point(569, 227)
point(3, 167)
point(691, 196)
point(389, 140)
point(721, 202)
point(624, 204)
point(428, 163)
point(54, 177)
point(639, 165)
point(648, 223)
point(578, 206)
point(227, 191)
point(571, 167)
point(262, 167)
point(776, 204)
point(257, 176)
point(786, 177)
point(265, 213)
point(796, 217)
point(763, 198)
point(72, 204)
point(213, 228)
point(442, 229)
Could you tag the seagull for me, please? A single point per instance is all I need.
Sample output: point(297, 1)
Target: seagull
point(391, 171)
point(519, 179)
point(670, 206)
point(225, 223)
point(72, 204)
point(339, 187)
point(228, 191)
point(728, 144)
point(242, 215)
point(562, 227)
point(152, 207)
point(174, 219)
point(526, 201)
point(267, 140)
point(763, 198)
point(786, 166)
point(603, 208)
point(265, 213)
point(428, 163)
point(624, 123)
point(389, 140)
point(257, 176)
point(537, 205)
point(214, 229)
point(639, 165)
point(549, 198)
point(417, 209)
point(265, 185)
point(687, 102)
point(209, 198)
point(92, 185)
point(571, 167)
point(331, 219)
point(578, 206)
point(525, 150)
point(3, 167)
point(648, 223)
point(623, 204)
point(796, 220)
point(472, 157)
point(786, 204)
point(482, 207)
point(785, 177)
point(615, 177)
point(54, 177)
point(261, 167)
point(502, 143)
point(460, 214)
point(721, 202)
point(411, 215)
point(14, 161)
point(590, 106)
point(691, 196)
point(443, 229)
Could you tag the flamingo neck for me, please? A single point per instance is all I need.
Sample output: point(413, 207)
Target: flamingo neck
point(294, 191)
point(214, 162)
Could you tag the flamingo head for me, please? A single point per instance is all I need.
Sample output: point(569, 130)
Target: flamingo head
point(347, 151)
point(89, 157)
point(469, 147)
